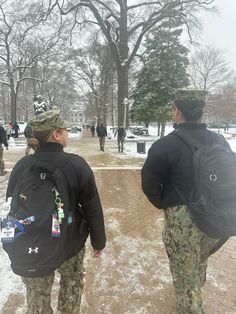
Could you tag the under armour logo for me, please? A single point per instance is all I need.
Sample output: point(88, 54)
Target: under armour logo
point(43, 175)
point(35, 250)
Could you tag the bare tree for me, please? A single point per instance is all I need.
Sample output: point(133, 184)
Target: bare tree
point(94, 70)
point(208, 69)
point(124, 26)
point(22, 45)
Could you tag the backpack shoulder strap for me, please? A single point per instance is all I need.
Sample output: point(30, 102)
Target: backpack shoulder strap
point(192, 143)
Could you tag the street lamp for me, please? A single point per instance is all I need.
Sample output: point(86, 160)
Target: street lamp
point(125, 102)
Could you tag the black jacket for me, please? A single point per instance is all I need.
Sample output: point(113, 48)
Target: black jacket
point(82, 189)
point(3, 138)
point(28, 132)
point(101, 131)
point(169, 165)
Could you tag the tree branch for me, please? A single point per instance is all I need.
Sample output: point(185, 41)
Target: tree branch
point(143, 4)
point(29, 78)
point(5, 83)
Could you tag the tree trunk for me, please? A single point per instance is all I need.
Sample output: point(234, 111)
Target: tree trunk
point(158, 128)
point(163, 125)
point(4, 104)
point(122, 74)
point(13, 106)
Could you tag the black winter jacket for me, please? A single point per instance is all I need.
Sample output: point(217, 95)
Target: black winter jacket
point(169, 166)
point(3, 138)
point(82, 189)
point(101, 131)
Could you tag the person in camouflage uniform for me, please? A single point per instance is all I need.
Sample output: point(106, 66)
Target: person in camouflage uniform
point(70, 291)
point(166, 171)
point(51, 132)
point(121, 134)
point(3, 141)
point(101, 133)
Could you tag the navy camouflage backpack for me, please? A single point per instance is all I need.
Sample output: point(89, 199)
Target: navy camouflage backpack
point(213, 199)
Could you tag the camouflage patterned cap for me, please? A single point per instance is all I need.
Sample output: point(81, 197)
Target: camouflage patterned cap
point(190, 94)
point(48, 120)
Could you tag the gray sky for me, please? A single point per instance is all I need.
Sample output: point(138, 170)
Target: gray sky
point(219, 30)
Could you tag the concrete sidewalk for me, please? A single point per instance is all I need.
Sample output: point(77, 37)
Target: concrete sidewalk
point(132, 276)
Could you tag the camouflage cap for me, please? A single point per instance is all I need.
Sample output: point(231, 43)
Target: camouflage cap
point(48, 120)
point(190, 94)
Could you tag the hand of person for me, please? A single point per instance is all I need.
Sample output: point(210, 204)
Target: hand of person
point(97, 253)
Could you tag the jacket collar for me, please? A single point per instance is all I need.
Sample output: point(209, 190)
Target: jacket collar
point(49, 147)
point(190, 125)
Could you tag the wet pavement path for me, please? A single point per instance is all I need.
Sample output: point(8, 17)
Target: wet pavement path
point(132, 276)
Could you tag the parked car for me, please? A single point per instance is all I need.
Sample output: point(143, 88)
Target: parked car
point(139, 131)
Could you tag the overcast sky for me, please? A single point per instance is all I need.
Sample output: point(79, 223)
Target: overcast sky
point(220, 30)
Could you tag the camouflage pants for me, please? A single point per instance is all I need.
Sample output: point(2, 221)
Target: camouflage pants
point(70, 292)
point(188, 250)
point(120, 142)
point(102, 142)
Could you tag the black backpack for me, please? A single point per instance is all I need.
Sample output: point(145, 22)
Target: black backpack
point(213, 199)
point(40, 199)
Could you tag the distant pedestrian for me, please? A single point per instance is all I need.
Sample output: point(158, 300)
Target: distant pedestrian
point(92, 129)
point(31, 142)
point(3, 141)
point(121, 134)
point(75, 213)
point(102, 133)
point(8, 130)
point(167, 181)
point(16, 129)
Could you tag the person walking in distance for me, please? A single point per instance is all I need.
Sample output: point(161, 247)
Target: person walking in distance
point(167, 180)
point(121, 134)
point(31, 142)
point(3, 141)
point(16, 129)
point(92, 129)
point(102, 133)
point(85, 216)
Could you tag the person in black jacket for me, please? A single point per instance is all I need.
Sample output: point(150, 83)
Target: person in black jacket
point(121, 134)
point(102, 133)
point(28, 133)
point(16, 129)
point(3, 141)
point(166, 171)
point(50, 130)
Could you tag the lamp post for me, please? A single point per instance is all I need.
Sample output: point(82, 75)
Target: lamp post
point(125, 102)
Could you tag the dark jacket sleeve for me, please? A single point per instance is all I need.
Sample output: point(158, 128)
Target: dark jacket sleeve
point(90, 201)
point(154, 172)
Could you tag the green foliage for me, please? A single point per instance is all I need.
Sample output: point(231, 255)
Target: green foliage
point(164, 70)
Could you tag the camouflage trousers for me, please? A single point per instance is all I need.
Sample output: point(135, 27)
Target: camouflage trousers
point(120, 142)
point(70, 291)
point(102, 142)
point(188, 250)
point(2, 164)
